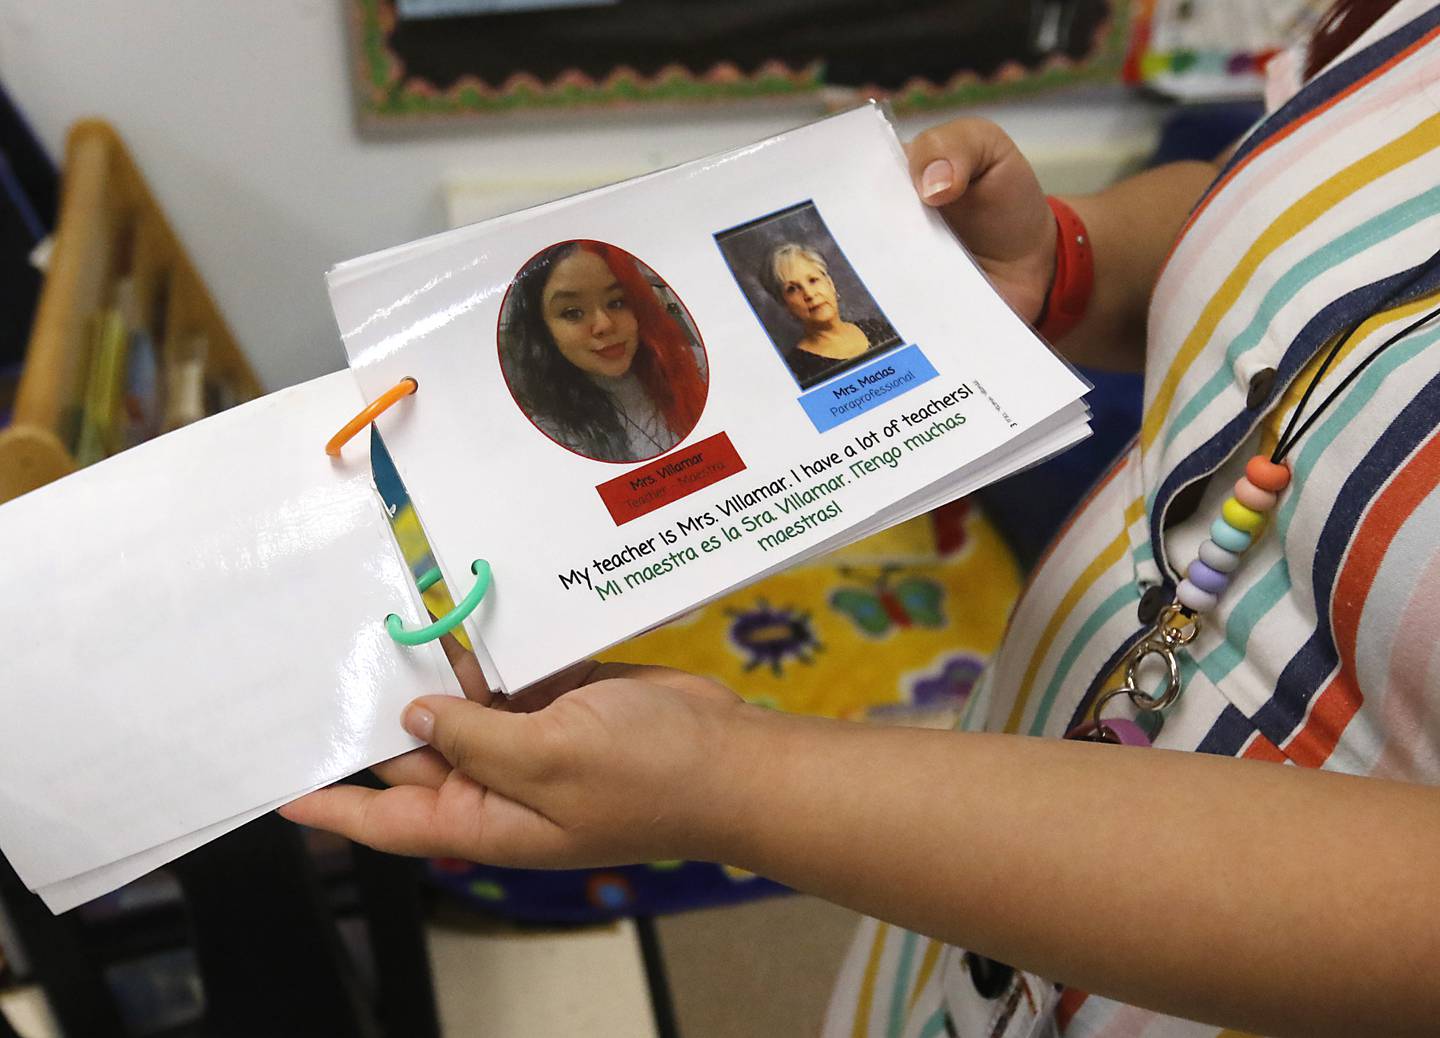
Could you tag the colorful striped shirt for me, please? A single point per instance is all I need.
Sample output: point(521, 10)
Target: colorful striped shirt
point(1322, 652)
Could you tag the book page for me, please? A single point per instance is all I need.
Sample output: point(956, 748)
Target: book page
point(633, 400)
point(195, 630)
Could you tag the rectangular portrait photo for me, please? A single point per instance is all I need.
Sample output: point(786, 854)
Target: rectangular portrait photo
point(817, 312)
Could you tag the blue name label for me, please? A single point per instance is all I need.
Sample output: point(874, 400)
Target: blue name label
point(864, 389)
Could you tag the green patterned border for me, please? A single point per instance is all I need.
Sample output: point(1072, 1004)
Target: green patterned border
point(386, 96)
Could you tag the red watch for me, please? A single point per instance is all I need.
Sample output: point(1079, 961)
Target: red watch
point(1069, 294)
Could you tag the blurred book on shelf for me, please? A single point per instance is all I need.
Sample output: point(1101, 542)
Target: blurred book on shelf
point(126, 342)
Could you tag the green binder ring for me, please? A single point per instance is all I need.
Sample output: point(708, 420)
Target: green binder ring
point(450, 620)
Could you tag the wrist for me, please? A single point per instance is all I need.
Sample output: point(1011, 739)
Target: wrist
point(748, 749)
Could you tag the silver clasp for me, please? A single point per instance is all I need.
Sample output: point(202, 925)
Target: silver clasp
point(1162, 640)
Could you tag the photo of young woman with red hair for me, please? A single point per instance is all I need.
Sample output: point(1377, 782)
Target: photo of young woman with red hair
point(594, 356)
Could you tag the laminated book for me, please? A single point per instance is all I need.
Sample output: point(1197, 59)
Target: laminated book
point(607, 410)
point(653, 393)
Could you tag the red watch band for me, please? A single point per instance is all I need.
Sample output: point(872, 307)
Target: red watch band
point(1069, 294)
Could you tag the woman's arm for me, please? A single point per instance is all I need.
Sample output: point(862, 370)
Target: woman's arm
point(1132, 226)
point(1272, 899)
point(1269, 898)
point(989, 194)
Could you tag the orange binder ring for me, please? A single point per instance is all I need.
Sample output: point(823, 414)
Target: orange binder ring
point(372, 411)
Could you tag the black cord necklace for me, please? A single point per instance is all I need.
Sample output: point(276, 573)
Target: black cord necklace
point(1241, 518)
point(1291, 434)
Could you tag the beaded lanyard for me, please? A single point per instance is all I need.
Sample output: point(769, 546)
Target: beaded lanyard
point(1208, 576)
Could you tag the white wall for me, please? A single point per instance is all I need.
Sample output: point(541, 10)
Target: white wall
point(240, 114)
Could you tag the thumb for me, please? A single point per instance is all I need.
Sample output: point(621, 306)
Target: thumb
point(942, 180)
point(945, 159)
point(494, 747)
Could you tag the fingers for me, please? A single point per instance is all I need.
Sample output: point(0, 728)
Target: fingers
point(991, 198)
point(397, 820)
point(423, 767)
point(587, 672)
point(467, 670)
point(545, 691)
point(460, 820)
point(667, 677)
point(542, 694)
point(945, 159)
point(494, 747)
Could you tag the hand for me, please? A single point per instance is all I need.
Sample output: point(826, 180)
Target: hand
point(601, 764)
point(973, 173)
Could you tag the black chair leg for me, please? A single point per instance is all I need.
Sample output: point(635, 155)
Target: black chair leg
point(660, 999)
point(271, 960)
point(59, 964)
point(390, 900)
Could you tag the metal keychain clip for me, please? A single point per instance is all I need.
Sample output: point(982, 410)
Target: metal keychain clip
point(1164, 639)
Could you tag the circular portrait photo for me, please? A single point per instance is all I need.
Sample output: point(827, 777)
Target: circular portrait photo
point(600, 354)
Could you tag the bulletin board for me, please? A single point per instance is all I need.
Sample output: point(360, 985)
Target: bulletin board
point(426, 60)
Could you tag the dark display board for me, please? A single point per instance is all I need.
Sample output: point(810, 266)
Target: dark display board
point(918, 53)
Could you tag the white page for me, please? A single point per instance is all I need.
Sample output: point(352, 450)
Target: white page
point(491, 485)
point(1030, 451)
point(69, 893)
point(195, 628)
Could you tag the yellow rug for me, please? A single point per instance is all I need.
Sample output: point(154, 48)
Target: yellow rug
point(897, 625)
point(894, 627)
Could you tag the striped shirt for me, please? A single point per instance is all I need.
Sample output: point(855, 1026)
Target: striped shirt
point(1322, 652)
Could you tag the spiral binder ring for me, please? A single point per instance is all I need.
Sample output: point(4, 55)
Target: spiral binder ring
point(451, 620)
point(372, 411)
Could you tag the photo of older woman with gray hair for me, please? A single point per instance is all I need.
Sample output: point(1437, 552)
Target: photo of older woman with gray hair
point(798, 278)
point(812, 304)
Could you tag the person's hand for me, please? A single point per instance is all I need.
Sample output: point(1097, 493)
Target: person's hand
point(601, 764)
point(973, 173)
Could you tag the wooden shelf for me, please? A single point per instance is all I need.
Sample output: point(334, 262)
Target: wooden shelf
point(109, 227)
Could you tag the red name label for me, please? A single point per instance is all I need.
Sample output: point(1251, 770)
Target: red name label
point(678, 474)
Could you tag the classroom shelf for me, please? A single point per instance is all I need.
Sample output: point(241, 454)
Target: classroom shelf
point(110, 230)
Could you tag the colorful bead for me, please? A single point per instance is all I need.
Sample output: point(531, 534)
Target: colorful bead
point(1266, 474)
point(1151, 722)
point(1246, 520)
point(1252, 497)
point(1241, 516)
point(1207, 579)
point(1229, 538)
point(1193, 598)
point(1127, 731)
point(1217, 558)
point(1154, 64)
